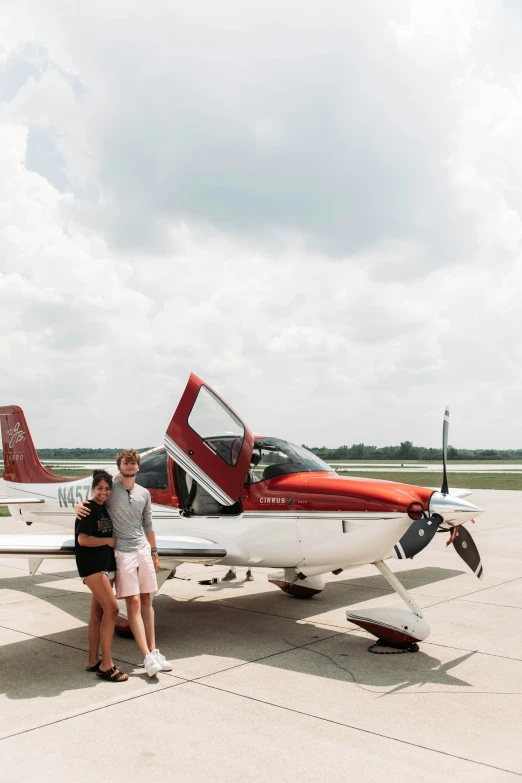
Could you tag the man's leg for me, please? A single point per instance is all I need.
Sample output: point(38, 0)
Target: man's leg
point(148, 587)
point(147, 616)
point(136, 623)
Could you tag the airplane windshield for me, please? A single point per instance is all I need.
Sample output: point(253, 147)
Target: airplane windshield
point(274, 457)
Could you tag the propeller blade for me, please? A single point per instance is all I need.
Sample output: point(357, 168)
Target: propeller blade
point(467, 549)
point(417, 537)
point(445, 428)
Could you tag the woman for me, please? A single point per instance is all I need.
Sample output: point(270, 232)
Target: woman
point(94, 546)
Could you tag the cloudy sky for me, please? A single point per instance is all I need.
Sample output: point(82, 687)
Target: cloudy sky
point(315, 206)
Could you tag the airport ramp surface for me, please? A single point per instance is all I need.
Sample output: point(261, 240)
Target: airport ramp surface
point(265, 687)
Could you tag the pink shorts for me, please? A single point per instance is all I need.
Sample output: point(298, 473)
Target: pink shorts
point(135, 573)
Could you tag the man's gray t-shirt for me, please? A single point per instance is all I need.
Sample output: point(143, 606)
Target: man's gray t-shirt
point(131, 514)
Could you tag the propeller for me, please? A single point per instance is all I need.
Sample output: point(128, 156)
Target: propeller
point(445, 428)
point(467, 549)
point(424, 527)
point(418, 535)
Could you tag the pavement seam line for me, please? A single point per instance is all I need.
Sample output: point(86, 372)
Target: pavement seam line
point(63, 644)
point(268, 703)
point(171, 674)
point(279, 616)
point(93, 709)
point(184, 681)
point(488, 603)
point(462, 597)
point(357, 728)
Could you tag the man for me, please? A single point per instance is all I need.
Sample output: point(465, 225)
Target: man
point(137, 560)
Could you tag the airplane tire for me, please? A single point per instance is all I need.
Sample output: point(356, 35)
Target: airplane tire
point(122, 628)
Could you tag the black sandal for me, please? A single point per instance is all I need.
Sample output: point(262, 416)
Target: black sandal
point(113, 675)
point(95, 668)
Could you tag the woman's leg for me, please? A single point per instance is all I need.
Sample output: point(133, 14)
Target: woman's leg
point(101, 589)
point(93, 633)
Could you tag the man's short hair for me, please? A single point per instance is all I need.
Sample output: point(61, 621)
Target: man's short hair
point(127, 454)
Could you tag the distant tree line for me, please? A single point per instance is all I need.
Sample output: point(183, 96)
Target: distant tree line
point(405, 451)
point(408, 451)
point(83, 454)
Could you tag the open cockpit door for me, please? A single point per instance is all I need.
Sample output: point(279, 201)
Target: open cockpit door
point(208, 440)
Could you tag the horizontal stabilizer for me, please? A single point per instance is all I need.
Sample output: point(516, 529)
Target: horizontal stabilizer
point(19, 501)
point(183, 548)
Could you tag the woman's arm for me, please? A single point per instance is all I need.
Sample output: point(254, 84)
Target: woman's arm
point(85, 540)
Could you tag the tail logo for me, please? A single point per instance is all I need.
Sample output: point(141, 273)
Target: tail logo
point(16, 435)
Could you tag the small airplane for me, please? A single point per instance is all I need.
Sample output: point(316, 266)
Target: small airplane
point(221, 495)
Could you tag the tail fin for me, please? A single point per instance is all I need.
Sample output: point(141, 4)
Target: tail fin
point(21, 462)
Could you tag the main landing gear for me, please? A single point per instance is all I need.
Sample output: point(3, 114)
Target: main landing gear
point(294, 583)
point(397, 630)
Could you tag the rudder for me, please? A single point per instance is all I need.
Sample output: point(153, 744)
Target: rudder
point(21, 462)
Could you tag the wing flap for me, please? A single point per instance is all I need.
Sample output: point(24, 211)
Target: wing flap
point(44, 545)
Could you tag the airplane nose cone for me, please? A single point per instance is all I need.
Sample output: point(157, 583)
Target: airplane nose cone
point(453, 510)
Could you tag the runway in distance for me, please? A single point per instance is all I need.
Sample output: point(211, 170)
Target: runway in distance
point(221, 495)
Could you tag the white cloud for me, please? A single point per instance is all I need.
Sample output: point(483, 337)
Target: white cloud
point(318, 212)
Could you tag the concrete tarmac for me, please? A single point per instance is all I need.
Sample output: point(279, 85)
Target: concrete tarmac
point(265, 687)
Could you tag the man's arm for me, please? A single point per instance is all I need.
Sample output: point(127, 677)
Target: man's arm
point(82, 509)
point(151, 538)
point(149, 532)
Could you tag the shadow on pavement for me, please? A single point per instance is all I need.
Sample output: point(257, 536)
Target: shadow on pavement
point(238, 630)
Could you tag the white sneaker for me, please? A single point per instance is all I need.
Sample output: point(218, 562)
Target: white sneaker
point(165, 665)
point(152, 666)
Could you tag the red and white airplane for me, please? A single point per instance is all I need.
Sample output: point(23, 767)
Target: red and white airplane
point(221, 495)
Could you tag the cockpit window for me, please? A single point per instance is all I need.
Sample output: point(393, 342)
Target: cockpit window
point(217, 425)
point(153, 471)
point(274, 457)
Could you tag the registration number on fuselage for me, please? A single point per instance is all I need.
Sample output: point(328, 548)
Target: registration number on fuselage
point(67, 498)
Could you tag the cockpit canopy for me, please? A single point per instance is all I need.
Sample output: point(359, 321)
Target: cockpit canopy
point(275, 457)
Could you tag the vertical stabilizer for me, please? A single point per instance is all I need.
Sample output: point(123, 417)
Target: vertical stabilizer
point(21, 462)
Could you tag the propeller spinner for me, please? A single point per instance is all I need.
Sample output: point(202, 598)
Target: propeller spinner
point(444, 509)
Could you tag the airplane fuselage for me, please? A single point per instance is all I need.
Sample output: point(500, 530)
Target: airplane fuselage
point(315, 521)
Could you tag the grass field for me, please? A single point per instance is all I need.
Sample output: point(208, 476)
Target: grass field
point(462, 480)
point(420, 479)
point(412, 462)
point(71, 473)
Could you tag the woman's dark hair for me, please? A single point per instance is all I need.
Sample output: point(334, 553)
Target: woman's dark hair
point(100, 475)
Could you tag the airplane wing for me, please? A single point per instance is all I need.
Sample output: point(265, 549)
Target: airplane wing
point(460, 493)
point(5, 501)
point(183, 548)
point(457, 493)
